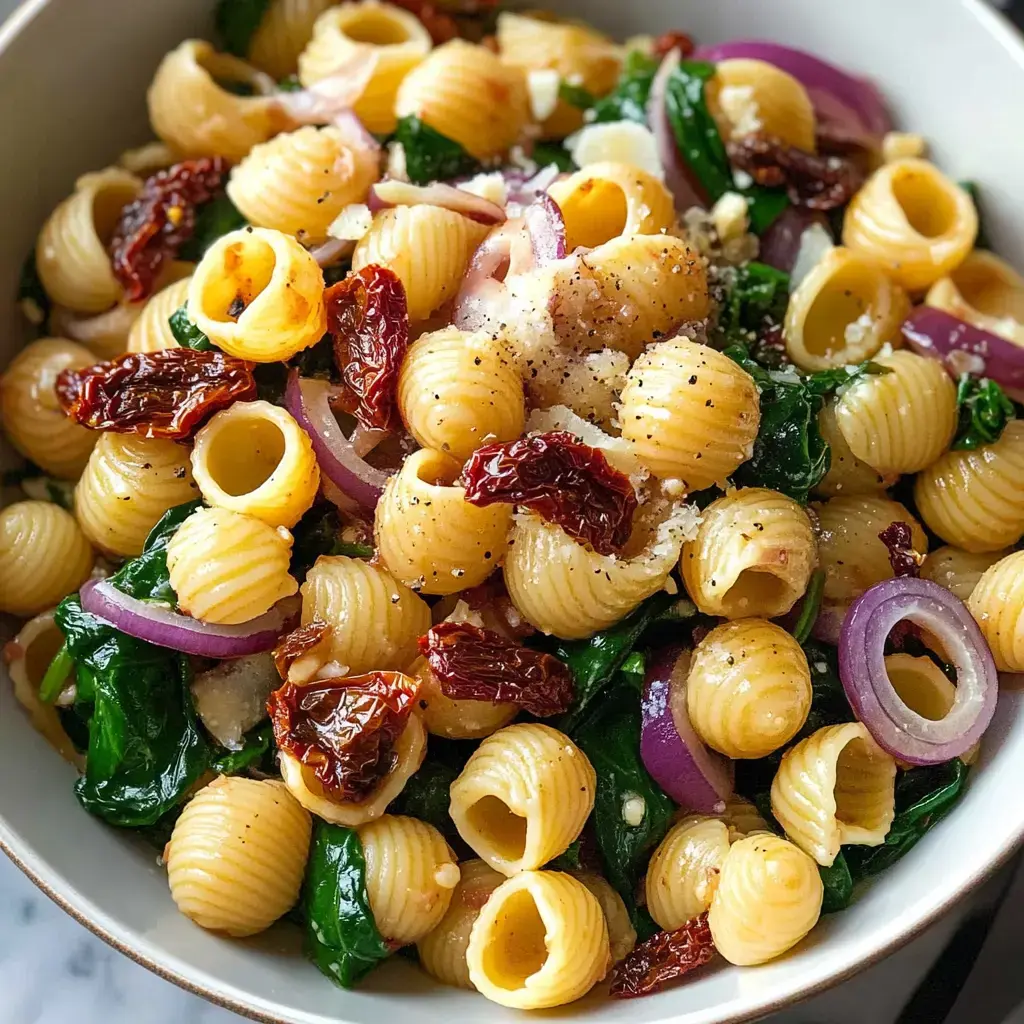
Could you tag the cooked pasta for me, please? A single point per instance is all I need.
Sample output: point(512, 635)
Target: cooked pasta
point(32, 417)
point(151, 332)
point(748, 691)
point(299, 181)
point(768, 898)
point(606, 200)
point(396, 39)
point(237, 854)
point(843, 311)
point(847, 475)
point(410, 876)
point(975, 499)
point(427, 247)
point(835, 788)
point(44, 556)
point(442, 951)
point(849, 549)
point(683, 870)
point(985, 291)
point(375, 621)
point(997, 602)
point(903, 420)
point(523, 797)
point(282, 34)
point(753, 555)
point(455, 718)
point(254, 458)
point(458, 391)
point(921, 685)
point(128, 484)
point(690, 412)
point(191, 110)
point(468, 95)
point(228, 568)
point(914, 219)
point(958, 570)
point(428, 536)
point(621, 933)
point(749, 96)
point(71, 252)
point(539, 941)
point(743, 818)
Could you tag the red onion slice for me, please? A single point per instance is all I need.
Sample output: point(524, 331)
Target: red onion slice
point(524, 190)
point(386, 194)
point(696, 778)
point(546, 226)
point(165, 628)
point(332, 251)
point(902, 732)
point(307, 400)
point(781, 243)
point(332, 97)
point(962, 347)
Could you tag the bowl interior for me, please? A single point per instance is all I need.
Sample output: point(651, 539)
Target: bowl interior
point(73, 75)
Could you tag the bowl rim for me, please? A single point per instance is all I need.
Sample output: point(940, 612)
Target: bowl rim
point(79, 907)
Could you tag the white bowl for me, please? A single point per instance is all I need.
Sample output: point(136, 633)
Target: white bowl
point(73, 75)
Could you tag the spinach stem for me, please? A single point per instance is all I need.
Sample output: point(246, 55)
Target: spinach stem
point(56, 675)
point(810, 608)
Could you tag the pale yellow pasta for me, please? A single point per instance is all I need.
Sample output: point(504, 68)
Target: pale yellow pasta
point(410, 749)
point(605, 200)
point(914, 219)
point(458, 391)
point(647, 287)
point(958, 570)
point(278, 285)
point(375, 621)
point(228, 568)
point(44, 556)
point(299, 181)
point(903, 420)
point(71, 252)
point(523, 797)
point(743, 818)
point(843, 311)
point(151, 332)
point(427, 247)
point(690, 412)
point(468, 95)
point(835, 788)
point(985, 291)
point(428, 536)
point(396, 39)
point(849, 549)
point(442, 951)
point(147, 159)
point(539, 941)
point(753, 555)
point(457, 718)
point(768, 898)
point(621, 933)
point(748, 691)
point(410, 876)
point(254, 458)
point(32, 418)
point(683, 870)
point(847, 475)
point(128, 484)
point(997, 603)
point(975, 499)
point(195, 115)
point(283, 32)
point(567, 589)
point(921, 685)
point(747, 97)
point(237, 854)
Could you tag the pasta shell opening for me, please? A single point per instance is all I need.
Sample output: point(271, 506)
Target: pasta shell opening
point(264, 444)
point(863, 792)
point(378, 25)
point(757, 588)
point(925, 201)
point(517, 949)
point(505, 830)
point(247, 267)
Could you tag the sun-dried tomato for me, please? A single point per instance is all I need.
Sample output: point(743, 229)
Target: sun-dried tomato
point(368, 320)
point(298, 643)
point(345, 730)
point(663, 958)
point(155, 394)
point(675, 40)
point(565, 481)
point(471, 663)
point(899, 542)
point(812, 181)
point(155, 226)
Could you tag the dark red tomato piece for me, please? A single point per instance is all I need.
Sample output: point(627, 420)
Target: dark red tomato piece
point(663, 958)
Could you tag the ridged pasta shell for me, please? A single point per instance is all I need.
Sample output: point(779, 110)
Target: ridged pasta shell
point(283, 32)
point(985, 291)
point(621, 933)
point(957, 570)
point(151, 332)
point(997, 602)
point(453, 718)
point(847, 475)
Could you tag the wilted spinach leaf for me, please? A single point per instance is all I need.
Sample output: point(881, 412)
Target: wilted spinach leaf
point(213, 219)
point(426, 795)
point(754, 304)
point(628, 100)
point(185, 332)
point(236, 22)
point(547, 153)
point(575, 95)
point(318, 533)
point(318, 360)
point(257, 752)
point(568, 861)
point(838, 885)
point(431, 156)
point(810, 607)
point(984, 412)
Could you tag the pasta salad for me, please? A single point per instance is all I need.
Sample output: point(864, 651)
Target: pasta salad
point(547, 504)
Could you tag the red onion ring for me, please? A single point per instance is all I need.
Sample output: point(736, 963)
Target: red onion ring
point(962, 347)
point(696, 778)
point(524, 190)
point(390, 193)
point(897, 729)
point(159, 625)
point(307, 400)
point(780, 244)
point(333, 250)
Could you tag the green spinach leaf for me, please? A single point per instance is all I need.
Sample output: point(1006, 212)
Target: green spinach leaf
point(755, 302)
point(257, 752)
point(32, 298)
point(429, 155)
point(236, 22)
point(185, 332)
point(318, 533)
point(984, 412)
point(810, 607)
point(628, 100)
point(838, 884)
point(213, 219)
point(568, 861)
point(575, 95)
point(341, 934)
point(547, 153)
point(426, 795)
